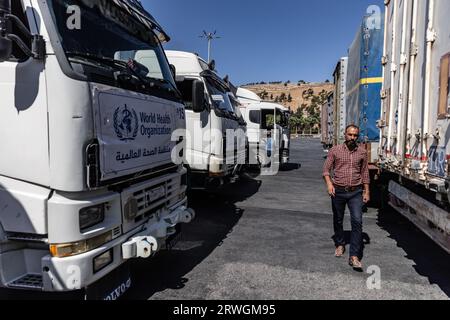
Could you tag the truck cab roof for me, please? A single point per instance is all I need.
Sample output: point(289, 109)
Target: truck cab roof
point(249, 99)
point(246, 96)
point(187, 63)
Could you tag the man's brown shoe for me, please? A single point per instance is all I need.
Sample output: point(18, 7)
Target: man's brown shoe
point(340, 250)
point(355, 263)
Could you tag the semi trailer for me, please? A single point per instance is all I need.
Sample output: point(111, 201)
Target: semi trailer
point(340, 101)
point(414, 155)
point(363, 85)
point(327, 120)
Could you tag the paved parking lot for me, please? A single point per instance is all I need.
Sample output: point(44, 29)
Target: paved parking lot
point(270, 238)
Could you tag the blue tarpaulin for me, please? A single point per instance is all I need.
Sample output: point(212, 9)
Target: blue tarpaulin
point(364, 79)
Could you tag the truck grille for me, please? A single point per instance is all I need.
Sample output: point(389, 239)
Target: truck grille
point(26, 237)
point(146, 200)
point(117, 232)
point(152, 199)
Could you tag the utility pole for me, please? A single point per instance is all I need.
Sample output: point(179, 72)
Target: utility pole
point(209, 36)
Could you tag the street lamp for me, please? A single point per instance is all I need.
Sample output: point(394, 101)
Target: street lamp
point(210, 36)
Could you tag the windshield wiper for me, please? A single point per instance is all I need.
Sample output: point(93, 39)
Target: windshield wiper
point(125, 66)
point(109, 62)
point(90, 56)
point(224, 113)
point(164, 81)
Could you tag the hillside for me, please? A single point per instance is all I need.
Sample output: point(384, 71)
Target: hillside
point(302, 95)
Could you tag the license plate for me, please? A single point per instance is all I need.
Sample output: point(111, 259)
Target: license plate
point(112, 286)
point(156, 194)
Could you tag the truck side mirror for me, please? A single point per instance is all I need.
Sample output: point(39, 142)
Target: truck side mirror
point(37, 50)
point(5, 42)
point(5, 49)
point(198, 96)
point(212, 65)
point(173, 69)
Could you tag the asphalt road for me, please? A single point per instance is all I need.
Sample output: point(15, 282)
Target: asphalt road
point(269, 237)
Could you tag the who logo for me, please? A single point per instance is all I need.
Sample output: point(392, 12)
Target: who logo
point(126, 123)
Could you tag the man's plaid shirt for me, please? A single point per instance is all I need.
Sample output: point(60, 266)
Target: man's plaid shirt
point(350, 168)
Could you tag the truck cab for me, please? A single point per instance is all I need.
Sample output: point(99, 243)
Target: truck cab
point(87, 176)
point(266, 121)
point(213, 134)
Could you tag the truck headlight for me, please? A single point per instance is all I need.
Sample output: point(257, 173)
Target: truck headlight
point(79, 247)
point(90, 216)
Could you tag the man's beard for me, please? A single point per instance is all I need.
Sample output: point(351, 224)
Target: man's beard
point(351, 144)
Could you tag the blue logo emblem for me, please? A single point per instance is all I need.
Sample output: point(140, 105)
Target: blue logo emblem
point(126, 123)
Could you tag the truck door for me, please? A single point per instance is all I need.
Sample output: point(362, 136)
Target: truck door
point(23, 109)
point(198, 127)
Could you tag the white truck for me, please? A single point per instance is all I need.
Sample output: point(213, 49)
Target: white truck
point(259, 116)
point(87, 176)
point(414, 153)
point(215, 144)
point(243, 157)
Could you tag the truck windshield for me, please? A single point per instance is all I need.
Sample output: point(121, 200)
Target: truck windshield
point(269, 116)
point(284, 121)
point(100, 33)
point(236, 107)
point(220, 99)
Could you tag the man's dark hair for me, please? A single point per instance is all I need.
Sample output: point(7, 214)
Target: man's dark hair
point(354, 126)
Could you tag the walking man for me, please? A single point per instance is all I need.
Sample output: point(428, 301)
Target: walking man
point(346, 173)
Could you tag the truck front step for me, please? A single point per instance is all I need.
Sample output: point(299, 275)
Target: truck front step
point(28, 282)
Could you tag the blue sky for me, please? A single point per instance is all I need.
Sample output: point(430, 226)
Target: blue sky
point(265, 40)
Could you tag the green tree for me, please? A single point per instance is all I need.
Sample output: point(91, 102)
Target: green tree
point(295, 123)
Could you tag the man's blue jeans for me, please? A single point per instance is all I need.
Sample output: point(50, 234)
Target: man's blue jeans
point(355, 203)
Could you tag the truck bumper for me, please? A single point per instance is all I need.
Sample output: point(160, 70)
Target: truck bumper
point(78, 272)
point(32, 267)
